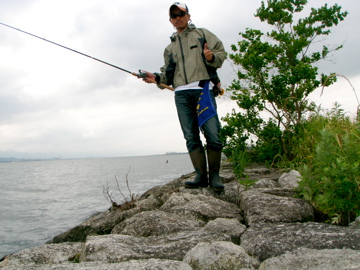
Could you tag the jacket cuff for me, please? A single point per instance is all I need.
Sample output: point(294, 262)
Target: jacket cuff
point(212, 59)
point(157, 78)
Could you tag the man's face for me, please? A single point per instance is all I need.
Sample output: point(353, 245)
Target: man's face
point(179, 19)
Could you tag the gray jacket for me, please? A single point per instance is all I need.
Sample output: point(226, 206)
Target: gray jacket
point(184, 58)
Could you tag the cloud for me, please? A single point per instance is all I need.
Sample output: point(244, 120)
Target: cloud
point(56, 103)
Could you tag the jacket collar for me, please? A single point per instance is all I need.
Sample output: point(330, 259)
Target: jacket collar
point(190, 28)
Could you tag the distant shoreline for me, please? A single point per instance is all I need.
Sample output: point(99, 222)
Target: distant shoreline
point(12, 159)
point(7, 160)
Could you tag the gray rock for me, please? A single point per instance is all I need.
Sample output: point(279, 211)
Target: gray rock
point(156, 223)
point(231, 192)
point(290, 180)
point(42, 255)
point(263, 207)
point(231, 227)
point(219, 255)
point(227, 176)
point(264, 241)
point(325, 259)
point(201, 207)
point(117, 247)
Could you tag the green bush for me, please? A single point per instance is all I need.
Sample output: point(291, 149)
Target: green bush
point(331, 170)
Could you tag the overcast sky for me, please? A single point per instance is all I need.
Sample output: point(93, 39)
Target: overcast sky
point(56, 103)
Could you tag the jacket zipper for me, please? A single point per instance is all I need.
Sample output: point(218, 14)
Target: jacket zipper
point(183, 59)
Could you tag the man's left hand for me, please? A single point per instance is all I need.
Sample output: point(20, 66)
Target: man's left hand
point(209, 56)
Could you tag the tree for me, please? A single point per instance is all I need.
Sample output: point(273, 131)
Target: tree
point(277, 73)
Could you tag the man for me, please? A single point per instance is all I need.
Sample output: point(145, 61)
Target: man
point(191, 60)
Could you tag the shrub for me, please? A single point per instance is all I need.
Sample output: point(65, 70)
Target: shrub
point(331, 175)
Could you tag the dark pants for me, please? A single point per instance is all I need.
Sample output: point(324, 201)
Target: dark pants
point(186, 103)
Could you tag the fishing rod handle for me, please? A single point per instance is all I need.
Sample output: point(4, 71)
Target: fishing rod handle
point(141, 75)
point(164, 85)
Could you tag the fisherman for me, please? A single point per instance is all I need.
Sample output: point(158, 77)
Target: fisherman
point(191, 60)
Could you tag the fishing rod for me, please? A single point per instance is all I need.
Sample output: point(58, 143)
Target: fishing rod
point(141, 73)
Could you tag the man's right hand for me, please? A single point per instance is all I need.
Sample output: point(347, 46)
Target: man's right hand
point(150, 77)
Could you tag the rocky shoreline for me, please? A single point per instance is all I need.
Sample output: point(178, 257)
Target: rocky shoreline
point(170, 227)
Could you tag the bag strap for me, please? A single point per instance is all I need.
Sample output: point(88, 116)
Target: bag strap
point(212, 71)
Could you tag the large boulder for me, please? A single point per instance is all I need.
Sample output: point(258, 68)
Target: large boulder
point(201, 207)
point(219, 255)
point(231, 227)
point(264, 241)
point(290, 180)
point(48, 254)
point(156, 222)
point(115, 248)
point(259, 206)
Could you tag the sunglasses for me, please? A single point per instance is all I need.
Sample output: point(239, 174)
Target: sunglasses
point(180, 14)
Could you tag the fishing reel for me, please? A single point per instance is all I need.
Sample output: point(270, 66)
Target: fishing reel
point(141, 74)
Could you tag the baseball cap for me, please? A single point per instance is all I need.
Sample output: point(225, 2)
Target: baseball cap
point(180, 5)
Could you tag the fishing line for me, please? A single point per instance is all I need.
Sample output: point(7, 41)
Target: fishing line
point(141, 74)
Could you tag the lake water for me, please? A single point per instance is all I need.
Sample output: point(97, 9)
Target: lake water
point(40, 199)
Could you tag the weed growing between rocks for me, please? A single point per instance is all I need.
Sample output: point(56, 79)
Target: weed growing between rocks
point(128, 202)
point(246, 182)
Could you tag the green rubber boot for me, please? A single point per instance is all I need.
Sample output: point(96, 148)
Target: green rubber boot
point(198, 160)
point(214, 160)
